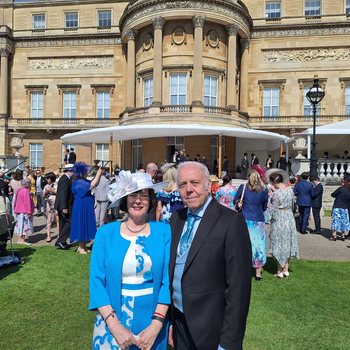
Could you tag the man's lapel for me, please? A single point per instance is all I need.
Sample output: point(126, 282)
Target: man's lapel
point(204, 228)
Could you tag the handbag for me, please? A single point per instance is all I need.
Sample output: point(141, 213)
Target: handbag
point(239, 202)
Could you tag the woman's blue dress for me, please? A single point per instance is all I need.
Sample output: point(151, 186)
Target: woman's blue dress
point(83, 223)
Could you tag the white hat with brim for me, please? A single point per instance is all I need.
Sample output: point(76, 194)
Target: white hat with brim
point(128, 183)
point(279, 171)
point(68, 167)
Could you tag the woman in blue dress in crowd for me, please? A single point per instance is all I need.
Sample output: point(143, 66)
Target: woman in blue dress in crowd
point(168, 198)
point(129, 278)
point(83, 222)
point(254, 204)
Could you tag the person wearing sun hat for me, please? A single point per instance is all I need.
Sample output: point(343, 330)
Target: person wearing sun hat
point(283, 232)
point(129, 280)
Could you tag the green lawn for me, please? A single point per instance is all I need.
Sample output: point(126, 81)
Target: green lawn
point(328, 213)
point(43, 304)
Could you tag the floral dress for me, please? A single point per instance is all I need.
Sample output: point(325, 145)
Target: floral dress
point(226, 196)
point(137, 294)
point(171, 202)
point(283, 233)
point(51, 213)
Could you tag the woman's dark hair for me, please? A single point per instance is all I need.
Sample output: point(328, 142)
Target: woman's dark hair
point(159, 177)
point(276, 177)
point(152, 202)
point(51, 176)
point(18, 176)
point(226, 179)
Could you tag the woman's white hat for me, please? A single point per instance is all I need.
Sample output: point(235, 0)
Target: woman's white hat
point(279, 171)
point(128, 183)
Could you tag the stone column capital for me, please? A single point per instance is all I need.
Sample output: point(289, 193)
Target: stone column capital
point(4, 52)
point(158, 22)
point(198, 20)
point(131, 34)
point(245, 44)
point(232, 29)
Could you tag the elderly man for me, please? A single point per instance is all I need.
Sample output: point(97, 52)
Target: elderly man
point(40, 183)
point(152, 170)
point(209, 269)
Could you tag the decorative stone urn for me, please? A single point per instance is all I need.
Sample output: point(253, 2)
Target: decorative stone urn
point(17, 142)
point(300, 145)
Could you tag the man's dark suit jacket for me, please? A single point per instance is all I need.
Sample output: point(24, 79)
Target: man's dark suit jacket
point(71, 159)
point(4, 186)
point(304, 191)
point(283, 163)
point(244, 162)
point(216, 281)
point(255, 161)
point(64, 196)
point(317, 197)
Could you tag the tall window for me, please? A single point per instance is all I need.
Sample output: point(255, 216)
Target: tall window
point(308, 108)
point(36, 105)
point(71, 20)
point(102, 153)
point(273, 9)
point(347, 100)
point(103, 104)
point(210, 90)
point(347, 8)
point(69, 104)
point(39, 21)
point(178, 85)
point(313, 8)
point(104, 19)
point(136, 154)
point(148, 92)
point(271, 102)
point(36, 154)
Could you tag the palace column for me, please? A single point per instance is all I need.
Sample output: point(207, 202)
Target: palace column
point(198, 22)
point(243, 101)
point(130, 87)
point(4, 93)
point(231, 91)
point(158, 24)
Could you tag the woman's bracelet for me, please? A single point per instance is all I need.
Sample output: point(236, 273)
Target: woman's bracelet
point(160, 319)
point(158, 314)
point(112, 313)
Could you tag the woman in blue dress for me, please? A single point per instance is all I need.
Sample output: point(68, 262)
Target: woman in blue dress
point(254, 204)
point(83, 223)
point(129, 280)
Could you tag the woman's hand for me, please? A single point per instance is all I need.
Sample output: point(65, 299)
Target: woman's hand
point(149, 335)
point(122, 335)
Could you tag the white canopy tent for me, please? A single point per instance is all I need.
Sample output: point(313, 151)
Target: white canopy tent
point(269, 141)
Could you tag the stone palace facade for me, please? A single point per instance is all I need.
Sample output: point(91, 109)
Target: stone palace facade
point(73, 65)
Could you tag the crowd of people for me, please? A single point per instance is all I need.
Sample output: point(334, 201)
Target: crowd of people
point(186, 245)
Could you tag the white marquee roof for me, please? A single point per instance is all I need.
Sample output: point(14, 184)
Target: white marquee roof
point(339, 128)
point(124, 133)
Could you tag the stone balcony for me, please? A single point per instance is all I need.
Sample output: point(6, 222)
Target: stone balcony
point(61, 123)
point(185, 114)
point(296, 122)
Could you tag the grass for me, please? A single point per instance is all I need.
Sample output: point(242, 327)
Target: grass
point(43, 304)
point(328, 213)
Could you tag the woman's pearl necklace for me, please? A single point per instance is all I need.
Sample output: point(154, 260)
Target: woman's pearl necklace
point(135, 231)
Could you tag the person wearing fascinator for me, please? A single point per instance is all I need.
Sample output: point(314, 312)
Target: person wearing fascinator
point(283, 232)
point(129, 281)
point(83, 224)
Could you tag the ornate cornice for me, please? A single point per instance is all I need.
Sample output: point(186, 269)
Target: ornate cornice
point(4, 52)
point(280, 31)
point(304, 55)
point(198, 21)
point(233, 11)
point(158, 22)
point(245, 44)
point(232, 29)
point(131, 34)
point(69, 41)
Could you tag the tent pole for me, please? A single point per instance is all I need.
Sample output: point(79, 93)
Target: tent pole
point(220, 156)
point(110, 152)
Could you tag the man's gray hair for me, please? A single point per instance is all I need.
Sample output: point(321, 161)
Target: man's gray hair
point(2, 174)
point(200, 166)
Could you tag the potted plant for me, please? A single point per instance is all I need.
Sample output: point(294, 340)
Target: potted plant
point(238, 172)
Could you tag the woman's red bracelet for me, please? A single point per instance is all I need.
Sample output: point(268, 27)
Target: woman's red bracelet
point(157, 313)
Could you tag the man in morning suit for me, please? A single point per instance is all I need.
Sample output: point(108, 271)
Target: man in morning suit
point(245, 166)
point(71, 157)
point(64, 206)
point(209, 268)
point(317, 203)
point(255, 159)
point(40, 183)
point(304, 190)
point(283, 162)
